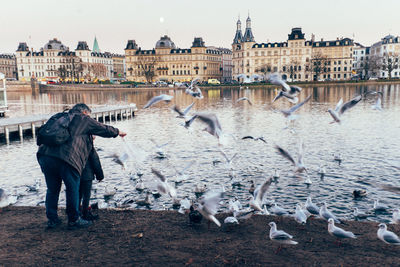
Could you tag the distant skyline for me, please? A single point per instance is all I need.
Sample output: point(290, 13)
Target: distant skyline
point(116, 22)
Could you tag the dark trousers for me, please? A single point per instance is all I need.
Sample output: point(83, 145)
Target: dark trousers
point(85, 188)
point(55, 172)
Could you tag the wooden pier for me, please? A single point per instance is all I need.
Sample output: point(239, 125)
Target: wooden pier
point(29, 124)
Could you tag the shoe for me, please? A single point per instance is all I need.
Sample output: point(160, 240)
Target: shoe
point(80, 223)
point(88, 216)
point(51, 224)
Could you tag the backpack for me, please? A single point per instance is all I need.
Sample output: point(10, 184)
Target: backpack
point(55, 131)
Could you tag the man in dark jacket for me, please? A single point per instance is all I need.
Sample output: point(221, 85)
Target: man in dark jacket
point(92, 169)
point(67, 161)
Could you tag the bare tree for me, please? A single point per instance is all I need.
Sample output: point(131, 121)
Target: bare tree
point(317, 65)
point(390, 62)
point(147, 66)
point(370, 67)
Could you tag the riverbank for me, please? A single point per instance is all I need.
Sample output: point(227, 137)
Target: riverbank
point(155, 238)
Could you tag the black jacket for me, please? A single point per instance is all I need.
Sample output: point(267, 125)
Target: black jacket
point(76, 150)
point(92, 168)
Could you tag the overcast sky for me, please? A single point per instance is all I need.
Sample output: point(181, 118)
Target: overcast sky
point(116, 21)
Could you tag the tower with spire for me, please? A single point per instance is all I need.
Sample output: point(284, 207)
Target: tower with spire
point(238, 36)
point(248, 34)
point(96, 48)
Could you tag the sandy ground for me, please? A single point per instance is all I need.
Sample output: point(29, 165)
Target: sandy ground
point(144, 238)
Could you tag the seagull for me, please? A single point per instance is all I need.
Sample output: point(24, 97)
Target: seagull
point(156, 99)
point(358, 214)
point(213, 125)
point(244, 77)
point(120, 159)
point(208, 206)
point(184, 206)
point(321, 171)
point(200, 189)
point(311, 207)
point(299, 215)
point(308, 181)
point(288, 113)
point(378, 104)
point(182, 114)
point(396, 216)
point(259, 193)
point(180, 175)
point(299, 165)
point(287, 91)
point(234, 205)
point(146, 202)
point(378, 206)
point(139, 185)
point(275, 209)
point(261, 138)
point(231, 220)
point(4, 201)
point(387, 236)
point(280, 236)
point(244, 98)
point(324, 213)
point(341, 108)
point(163, 186)
point(228, 160)
point(292, 98)
point(243, 214)
point(337, 231)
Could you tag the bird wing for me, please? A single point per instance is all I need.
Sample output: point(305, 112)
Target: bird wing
point(158, 99)
point(212, 121)
point(349, 104)
point(194, 81)
point(187, 109)
point(224, 154)
point(247, 137)
point(176, 109)
point(339, 232)
point(280, 235)
point(294, 89)
point(211, 202)
point(259, 195)
point(276, 79)
point(285, 154)
point(301, 152)
point(391, 237)
point(241, 76)
point(296, 107)
point(338, 105)
point(158, 174)
point(190, 121)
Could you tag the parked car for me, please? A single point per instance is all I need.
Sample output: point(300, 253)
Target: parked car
point(213, 81)
point(373, 78)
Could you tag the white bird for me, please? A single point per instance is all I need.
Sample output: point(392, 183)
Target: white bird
point(288, 113)
point(280, 236)
point(311, 207)
point(139, 185)
point(378, 104)
point(387, 236)
point(276, 79)
point(208, 206)
point(231, 220)
point(378, 206)
point(120, 159)
point(184, 206)
point(243, 214)
point(324, 213)
point(195, 92)
point(275, 209)
point(396, 216)
point(300, 215)
point(182, 114)
point(337, 231)
point(228, 160)
point(244, 98)
point(234, 205)
point(259, 193)
point(244, 77)
point(341, 108)
point(200, 188)
point(156, 99)
point(162, 186)
point(321, 170)
point(213, 126)
point(4, 201)
point(358, 214)
point(299, 164)
point(308, 181)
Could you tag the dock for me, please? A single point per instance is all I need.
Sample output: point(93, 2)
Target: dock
point(27, 125)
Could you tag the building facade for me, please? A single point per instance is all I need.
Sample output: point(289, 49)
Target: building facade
point(168, 63)
point(297, 59)
point(118, 66)
point(8, 66)
point(361, 61)
point(386, 53)
point(55, 62)
point(226, 65)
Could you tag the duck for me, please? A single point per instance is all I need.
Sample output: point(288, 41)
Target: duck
point(358, 193)
point(195, 216)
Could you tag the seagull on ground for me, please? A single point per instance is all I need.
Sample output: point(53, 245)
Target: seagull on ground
point(358, 214)
point(280, 236)
point(156, 99)
point(184, 206)
point(300, 215)
point(341, 108)
point(337, 231)
point(276, 210)
point(387, 236)
point(311, 207)
point(324, 213)
point(208, 206)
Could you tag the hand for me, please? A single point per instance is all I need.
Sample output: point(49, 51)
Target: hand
point(122, 134)
point(99, 179)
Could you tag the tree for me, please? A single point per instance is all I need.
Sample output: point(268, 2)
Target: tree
point(390, 62)
point(370, 67)
point(147, 66)
point(72, 67)
point(317, 65)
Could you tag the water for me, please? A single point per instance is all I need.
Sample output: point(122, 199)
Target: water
point(367, 140)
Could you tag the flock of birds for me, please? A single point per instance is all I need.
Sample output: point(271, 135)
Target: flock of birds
point(208, 202)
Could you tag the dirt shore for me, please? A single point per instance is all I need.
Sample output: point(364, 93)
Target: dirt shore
point(165, 238)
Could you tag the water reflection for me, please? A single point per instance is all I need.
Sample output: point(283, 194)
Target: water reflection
point(367, 140)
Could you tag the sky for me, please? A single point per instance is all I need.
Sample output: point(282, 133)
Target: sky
point(114, 22)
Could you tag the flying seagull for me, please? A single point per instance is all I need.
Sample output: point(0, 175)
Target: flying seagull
point(213, 125)
point(261, 138)
point(244, 98)
point(208, 206)
point(341, 108)
point(163, 186)
point(182, 114)
point(258, 196)
point(156, 99)
point(289, 112)
point(299, 165)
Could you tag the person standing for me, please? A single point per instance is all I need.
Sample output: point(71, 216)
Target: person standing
point(65, 163)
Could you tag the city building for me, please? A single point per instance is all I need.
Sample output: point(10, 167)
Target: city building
point(55, 62)
point(8, 66)
point(226, 65)
point(168, 63)
point(360, 61)
point(385, 57)
point(118, 66)
point(297, 59)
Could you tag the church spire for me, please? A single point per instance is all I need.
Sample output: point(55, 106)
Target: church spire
point(238, 36)
point(248, 34)
point(96, 46)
